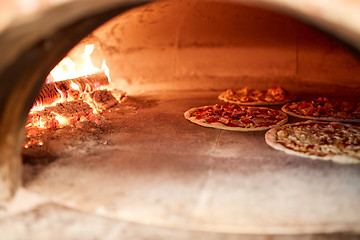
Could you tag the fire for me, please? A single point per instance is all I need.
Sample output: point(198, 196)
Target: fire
point(74, 86)
point(64, 70)
point(62, 120)
point(68, 81)
point(72, 95)
point(68, 69)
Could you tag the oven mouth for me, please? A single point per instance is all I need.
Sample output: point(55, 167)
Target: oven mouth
point(140, 160)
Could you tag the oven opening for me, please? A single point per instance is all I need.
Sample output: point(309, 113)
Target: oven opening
point(106, 134)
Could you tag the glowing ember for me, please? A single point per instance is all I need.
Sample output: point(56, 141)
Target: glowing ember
point(62, 120)
point(33, 142)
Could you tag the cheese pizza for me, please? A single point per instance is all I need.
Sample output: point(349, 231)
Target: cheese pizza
point(333, 141)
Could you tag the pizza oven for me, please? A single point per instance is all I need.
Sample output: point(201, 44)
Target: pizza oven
point(137, 167)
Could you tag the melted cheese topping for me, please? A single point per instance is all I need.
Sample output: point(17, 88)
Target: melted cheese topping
point(324, 108)
point(239, 116)
point(321, 139)
point(249, 95)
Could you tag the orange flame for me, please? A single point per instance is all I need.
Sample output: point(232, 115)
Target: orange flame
point(68, 69)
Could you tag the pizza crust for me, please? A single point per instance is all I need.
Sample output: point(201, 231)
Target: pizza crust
point(272, 140)
point(201, 122)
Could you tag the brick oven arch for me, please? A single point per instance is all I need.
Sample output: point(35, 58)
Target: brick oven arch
point(32, 47)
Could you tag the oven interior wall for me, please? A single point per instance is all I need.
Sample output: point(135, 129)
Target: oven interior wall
point(204, 45)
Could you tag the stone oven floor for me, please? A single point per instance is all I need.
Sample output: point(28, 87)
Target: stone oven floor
point(148, 173)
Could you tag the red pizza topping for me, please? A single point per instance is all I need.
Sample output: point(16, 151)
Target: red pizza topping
point(274, 95)
point(324, 108)
point(238, 116)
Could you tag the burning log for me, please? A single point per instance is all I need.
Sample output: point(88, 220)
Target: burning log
point(104, 99)
point(72, 101)
point(70, 88)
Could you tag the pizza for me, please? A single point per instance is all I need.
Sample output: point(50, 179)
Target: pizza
point(335, 141)
point(324, 109)
point(236, 118)
point(249, 96)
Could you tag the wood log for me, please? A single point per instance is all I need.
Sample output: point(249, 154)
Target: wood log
point(61, 90)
